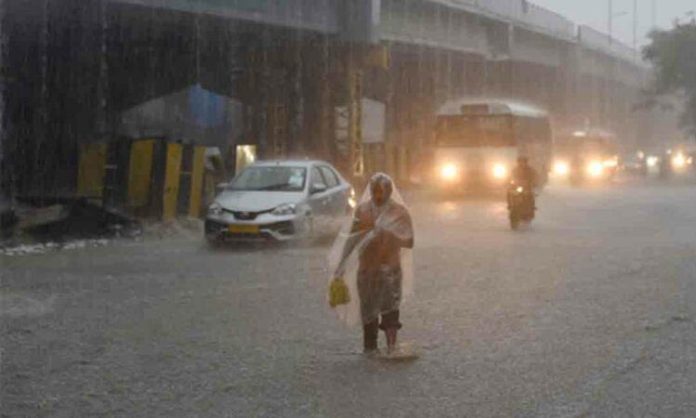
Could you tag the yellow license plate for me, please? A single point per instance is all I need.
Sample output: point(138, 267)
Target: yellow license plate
point(244, 229)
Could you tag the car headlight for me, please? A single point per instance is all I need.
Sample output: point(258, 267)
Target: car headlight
point(286, 209)
point(500, 171)
point(561, 168)
point(215, 209)
point(352, 199)
point(652, 161)
point(595, 169)
point(449, 172)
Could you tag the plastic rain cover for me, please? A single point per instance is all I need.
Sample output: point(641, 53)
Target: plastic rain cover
point(373, 252)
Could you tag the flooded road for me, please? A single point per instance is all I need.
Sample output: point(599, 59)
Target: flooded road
point(589, 312)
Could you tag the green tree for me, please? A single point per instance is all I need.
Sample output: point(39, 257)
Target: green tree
point(673, 54)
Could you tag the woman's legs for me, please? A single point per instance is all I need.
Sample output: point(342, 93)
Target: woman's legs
point(370, 331)
point(391, 339)
point(391, 326)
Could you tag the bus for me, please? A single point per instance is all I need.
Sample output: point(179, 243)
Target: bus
point(586, 155)
point(477, 142)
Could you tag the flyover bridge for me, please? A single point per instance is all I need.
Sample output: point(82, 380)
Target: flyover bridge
point(289, 77)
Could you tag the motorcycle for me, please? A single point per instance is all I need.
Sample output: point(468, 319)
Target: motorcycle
point(520, 205)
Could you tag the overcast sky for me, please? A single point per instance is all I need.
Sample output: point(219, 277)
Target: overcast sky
point(594, 13)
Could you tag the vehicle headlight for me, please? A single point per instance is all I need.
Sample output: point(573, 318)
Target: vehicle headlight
point(352, 200)
point(611, 163)
point(679, 161)
point(652, 161)
point(500, 171)
point(449, 172)
point(286, 209)
point(595, 169)
point(520, 189)
point(561, 168)
point(215, 209)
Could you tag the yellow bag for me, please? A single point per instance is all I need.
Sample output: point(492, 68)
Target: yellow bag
point(338, 293)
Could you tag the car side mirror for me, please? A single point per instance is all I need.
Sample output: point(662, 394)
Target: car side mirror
point(317, 188)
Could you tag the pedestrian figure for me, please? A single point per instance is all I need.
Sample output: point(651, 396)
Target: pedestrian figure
point(372, 255)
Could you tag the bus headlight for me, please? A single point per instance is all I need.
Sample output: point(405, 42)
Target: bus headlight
point(561, 168)
point(500, 171)
point(595, 169)
point(611, 163)
point(449, 172)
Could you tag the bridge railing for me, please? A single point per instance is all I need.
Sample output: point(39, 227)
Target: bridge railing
point(594, 39)
point(525, 14)
point(427, 23)
point(520, 12)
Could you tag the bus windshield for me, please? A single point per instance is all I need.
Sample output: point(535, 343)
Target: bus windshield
point(475, 131)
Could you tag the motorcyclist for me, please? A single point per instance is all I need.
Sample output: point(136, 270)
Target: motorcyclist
point(665, 165)
point(525, 176)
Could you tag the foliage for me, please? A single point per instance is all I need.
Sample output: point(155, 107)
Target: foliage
point(673, 53)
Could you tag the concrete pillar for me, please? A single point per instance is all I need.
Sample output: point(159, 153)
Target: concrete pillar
point(295, 104)
point(325, 140)
point(354, 82)
point(390, 114)
point(5, 183)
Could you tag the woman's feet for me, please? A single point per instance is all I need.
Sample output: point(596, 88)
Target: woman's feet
point(391, 340)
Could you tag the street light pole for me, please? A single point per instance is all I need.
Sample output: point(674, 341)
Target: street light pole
point(635, 28)
point(654, 13)
point(610, 21)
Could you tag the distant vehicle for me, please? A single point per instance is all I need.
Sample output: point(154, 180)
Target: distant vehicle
point(478, 141)
point(586, 155)
point(635, 164)
point(680, 161)
point(279, 201)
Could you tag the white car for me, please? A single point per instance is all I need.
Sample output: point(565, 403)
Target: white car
point(279, 200)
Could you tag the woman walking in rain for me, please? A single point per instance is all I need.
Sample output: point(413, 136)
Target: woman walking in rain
point(372, 255)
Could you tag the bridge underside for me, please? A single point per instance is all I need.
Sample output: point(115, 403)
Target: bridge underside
point(76, 67)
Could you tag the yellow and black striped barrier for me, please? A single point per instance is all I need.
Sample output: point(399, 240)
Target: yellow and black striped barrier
point(161, 179)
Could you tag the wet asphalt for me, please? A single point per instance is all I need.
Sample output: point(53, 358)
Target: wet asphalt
point(591, 311)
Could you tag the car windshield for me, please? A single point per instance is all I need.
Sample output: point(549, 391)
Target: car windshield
point(272, 179)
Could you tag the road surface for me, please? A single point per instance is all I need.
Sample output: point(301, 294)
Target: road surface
point(590, 312)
